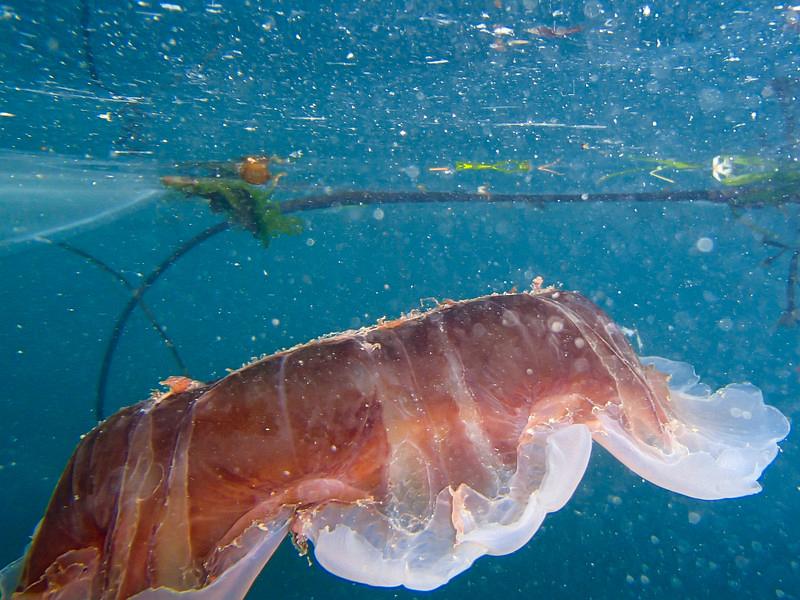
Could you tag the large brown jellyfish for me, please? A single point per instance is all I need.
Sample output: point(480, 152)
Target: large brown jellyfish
point(402, 452)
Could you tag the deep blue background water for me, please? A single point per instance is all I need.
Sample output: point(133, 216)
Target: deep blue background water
point(686, 82)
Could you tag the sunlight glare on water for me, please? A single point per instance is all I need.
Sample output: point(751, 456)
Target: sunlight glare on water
point(47, 195)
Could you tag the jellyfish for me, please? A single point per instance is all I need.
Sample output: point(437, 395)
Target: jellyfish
point(50, 195)
point(402, 452)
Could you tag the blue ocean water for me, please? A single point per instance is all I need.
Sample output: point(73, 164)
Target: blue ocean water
point(390, 96)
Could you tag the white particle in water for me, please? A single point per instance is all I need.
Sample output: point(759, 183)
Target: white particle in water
point(705, 244)
point(725, 324)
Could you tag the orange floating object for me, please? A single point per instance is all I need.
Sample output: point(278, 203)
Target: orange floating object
point(255, 169)
point(177, 384)
point(403, 452)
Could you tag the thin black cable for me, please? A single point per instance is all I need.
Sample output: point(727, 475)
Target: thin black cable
point(734, 197)
point(135, 299)
point(168, 342)
point(131, 115)
point(790, 315)
point(88, 53)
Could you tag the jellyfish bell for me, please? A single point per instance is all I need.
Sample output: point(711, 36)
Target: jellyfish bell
point(51, 195)
point(403, 452)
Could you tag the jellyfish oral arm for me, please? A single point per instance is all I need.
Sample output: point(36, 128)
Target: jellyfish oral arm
point(721, 442)
point(255, 547)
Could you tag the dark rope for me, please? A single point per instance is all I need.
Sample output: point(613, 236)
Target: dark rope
point(733, 197)
point(168, 342)
point(135, 299)
point(789, 317)
point(88, 53)
point(131, 115)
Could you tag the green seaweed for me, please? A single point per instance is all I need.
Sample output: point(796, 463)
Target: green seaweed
point(735, 170)
point(504, 166)
point(654, 167)
point(248, 206)
point(759, 181)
